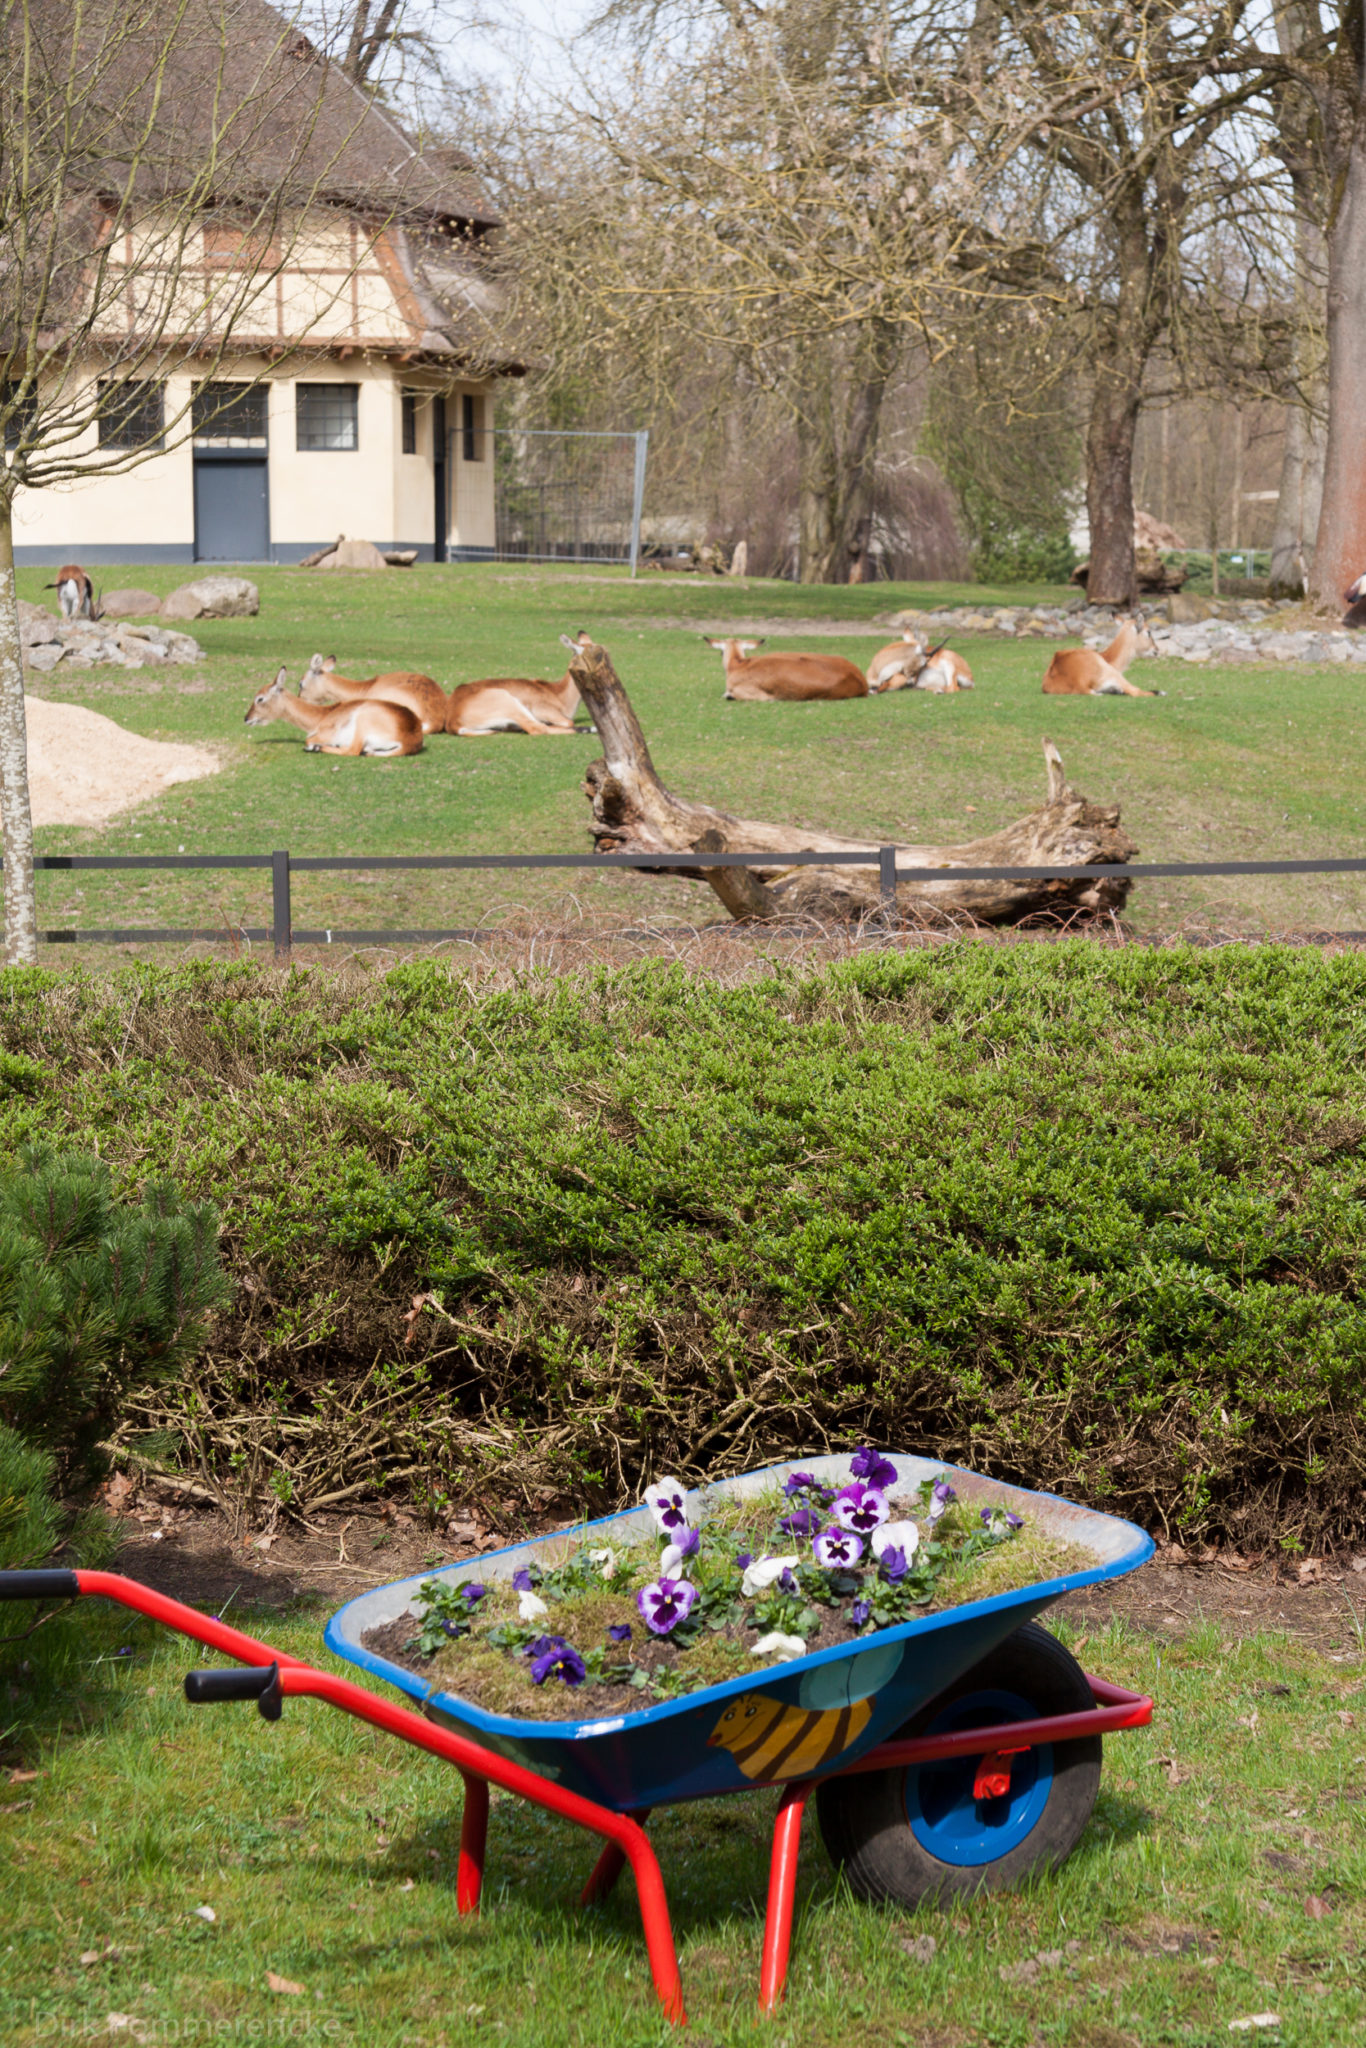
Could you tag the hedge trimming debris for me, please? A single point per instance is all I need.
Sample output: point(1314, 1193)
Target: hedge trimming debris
point(1089, 1220)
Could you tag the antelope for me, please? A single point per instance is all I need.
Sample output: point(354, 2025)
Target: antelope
point(786, 678)
point(905, 665)
point(1354, 597)
point(476, 709)
point(549, 706)
point(322, 685)
point(1081, 672)
point(75, 591)
point(373, 727)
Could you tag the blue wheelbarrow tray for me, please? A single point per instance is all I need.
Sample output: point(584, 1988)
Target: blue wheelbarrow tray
point(802, 1719)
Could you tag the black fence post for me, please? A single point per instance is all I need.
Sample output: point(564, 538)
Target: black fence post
point(886, 861)
point(281, 921)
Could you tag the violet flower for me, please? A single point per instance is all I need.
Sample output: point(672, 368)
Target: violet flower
point(902, 1536)
point(668, 1503)
point(556, 1660)
point(665, 1603)
point(1014, 1521)
point(473, 1592)
point(620, 1631)
point(893, 1564)
point(675, 1555)
point(764, 1572)
point(860, 1507)
point(838, 1549)
point(743, 1560)
point(786, 1583)
point(805, 1522)
point(521, 1581)
point(859, 1612)
point(873, 1467)
point(800, 1482)
point(939, 1500)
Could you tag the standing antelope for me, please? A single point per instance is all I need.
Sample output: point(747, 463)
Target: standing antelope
point(1081, 672)
point(905, 665)
point(370, 727)
point(549, 707)
point(75, 591)
point(420, 694)
point(786, 678)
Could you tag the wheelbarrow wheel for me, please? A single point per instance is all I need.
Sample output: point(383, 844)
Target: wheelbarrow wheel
point(919, 1833)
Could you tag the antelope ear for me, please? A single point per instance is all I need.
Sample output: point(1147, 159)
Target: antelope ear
point(572, 645)
point(327, 663)
point(279, 682)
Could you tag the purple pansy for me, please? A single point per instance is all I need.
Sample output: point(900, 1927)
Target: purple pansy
point(939, 1500)
point(473, 1592)
point(838, 1549)
point(743, 1560)
point(787, 1583)
point(667, 1501)
point(893, 1564)
point(521, 1581)
point(860, 1507)
point(687, 1542)
point(859, 1612)
point(800, 1482)
point(873, 1467)
point(664, 1604)
point(1014, 1521)
point(805, 1522)
point(551, 1657)
point(620, 1631)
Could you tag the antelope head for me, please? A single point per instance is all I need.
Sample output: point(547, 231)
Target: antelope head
point(313, 689)
point(1355, 592)
point(265, 705)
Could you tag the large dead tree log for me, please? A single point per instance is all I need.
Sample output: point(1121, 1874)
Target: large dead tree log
point(633, 812)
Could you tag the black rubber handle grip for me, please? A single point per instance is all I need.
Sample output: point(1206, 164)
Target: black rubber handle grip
point(38, 1586)
point(238, 1683)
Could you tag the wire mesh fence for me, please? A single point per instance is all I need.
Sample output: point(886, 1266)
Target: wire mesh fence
point(567, 496)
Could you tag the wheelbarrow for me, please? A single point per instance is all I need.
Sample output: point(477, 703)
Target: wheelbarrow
point(954, 1753)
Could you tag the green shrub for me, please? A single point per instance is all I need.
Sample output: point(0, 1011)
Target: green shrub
point(96, 1293)
point(29, 1516)
point(1093, 1220)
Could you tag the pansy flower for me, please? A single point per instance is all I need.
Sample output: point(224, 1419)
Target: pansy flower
point(838, 1549)
point(939, 1499)
point(530, 1606)
point(859, 1612)
point(552, 1657)
point(521, 1581)
point(665, 1603)
point(763, 1572)
point(605, 1560)
point(620, 1631)
point(779, 1647)
point(473, 1592)
point(743, 1560)
point(668, 1503)
point(805, 1522)
point(1014, 1521)
point(872, 1467)
point(860, 1507)
point(800, 1482)
point(893, 1564)
point(902, 1536)
point(676, 1554)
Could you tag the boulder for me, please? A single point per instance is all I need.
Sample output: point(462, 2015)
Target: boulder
point(354, 554)
point(129, 604)
point(213, 597)
point(1185, 609)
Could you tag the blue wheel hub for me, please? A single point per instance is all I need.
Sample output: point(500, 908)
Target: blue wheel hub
point(947, 1821)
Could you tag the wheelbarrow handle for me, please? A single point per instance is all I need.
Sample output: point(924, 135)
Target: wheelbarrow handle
point(259, 1682)
point(39, 1585)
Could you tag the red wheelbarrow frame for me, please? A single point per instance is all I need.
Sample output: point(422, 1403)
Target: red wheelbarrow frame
point(272, 1677)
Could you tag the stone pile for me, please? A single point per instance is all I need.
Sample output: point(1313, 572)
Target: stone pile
point(1184, 629)
point(48, 642)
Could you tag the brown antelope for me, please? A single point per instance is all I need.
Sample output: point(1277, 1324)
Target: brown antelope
point(786, 678)
point(75, 591)
point(322, 685)
point(905, 665)
point(370, 727)
point(1082, 672)
point(1354, 597)
point(549, 706)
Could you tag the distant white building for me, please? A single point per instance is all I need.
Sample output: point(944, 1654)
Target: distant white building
point(373, 345)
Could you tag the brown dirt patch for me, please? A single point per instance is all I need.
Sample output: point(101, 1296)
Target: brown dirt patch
point(83, 768)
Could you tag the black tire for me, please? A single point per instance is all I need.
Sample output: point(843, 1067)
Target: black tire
point(866, 1820)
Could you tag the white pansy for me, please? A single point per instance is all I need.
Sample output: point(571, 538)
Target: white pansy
point(779, 1646)
point(605, 1560)
point(531, 1606)
point(673, 1562)
point(668, 1503)
point(764, 1572)
point(902, 1536)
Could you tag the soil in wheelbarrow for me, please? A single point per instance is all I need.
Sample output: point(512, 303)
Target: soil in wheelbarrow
point(494, 1666)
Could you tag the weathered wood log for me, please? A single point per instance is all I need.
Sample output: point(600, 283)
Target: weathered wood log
point(633, 812)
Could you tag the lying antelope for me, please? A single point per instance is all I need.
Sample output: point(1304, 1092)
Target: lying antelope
point(905, 665)
point(786, 678)
point(75, 591)
point(1082, 672)
point(550, 707)
point(1354, 597)
point(419, 693)
point(373, 726)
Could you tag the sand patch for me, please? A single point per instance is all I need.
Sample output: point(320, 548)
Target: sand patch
point(83, 768)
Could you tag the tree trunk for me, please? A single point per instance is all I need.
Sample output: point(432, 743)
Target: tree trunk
point(838, 454)
point(1112, 577)
point(863, 421)
point(818, 468)
point(1299, 503)
point(633, 812)
point(1340, 555)
point(16, 821)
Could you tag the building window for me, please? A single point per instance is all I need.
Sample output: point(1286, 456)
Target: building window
point(132, 413)
point(229, 412)
point(472, 420)
point(410, 404)
point(20, 413)
point(327, 416)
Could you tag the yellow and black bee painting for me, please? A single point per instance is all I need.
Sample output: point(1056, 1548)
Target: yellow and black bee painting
point(770, 1740)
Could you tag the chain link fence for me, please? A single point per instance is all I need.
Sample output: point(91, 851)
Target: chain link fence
point(567, 496)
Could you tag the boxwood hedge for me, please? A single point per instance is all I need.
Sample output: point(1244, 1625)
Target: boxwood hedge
point(1091, 1219)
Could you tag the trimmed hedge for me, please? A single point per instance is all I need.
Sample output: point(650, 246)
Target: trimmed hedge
point(1089, 1219)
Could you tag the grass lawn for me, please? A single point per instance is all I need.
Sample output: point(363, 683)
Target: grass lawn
point(1223, 1875)
point(1234, 762)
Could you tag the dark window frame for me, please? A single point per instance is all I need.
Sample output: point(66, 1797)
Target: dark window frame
point(471, 425)
point(226, 424)
point(409, 402)
point(314, 404)
point(129, 425)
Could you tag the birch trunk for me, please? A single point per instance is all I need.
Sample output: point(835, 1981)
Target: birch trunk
point(16, 822)
point(633, 812)
point(1340, 556)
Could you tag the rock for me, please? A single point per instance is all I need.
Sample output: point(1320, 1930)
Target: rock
point(400, 558)
point(1185, 609)
point(85, 643)
point(354, 554)
point(214, 597)
point(44, 658)
point(129, 604)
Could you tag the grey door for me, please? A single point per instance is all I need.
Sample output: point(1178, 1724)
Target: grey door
point(231, 510)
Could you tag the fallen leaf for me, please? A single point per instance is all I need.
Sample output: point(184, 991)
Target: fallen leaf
point(91, 1955)
point(1359, 1564)
point(1310, 1573)
point(205, 1913)
point(17, 1806)
point(24, 1777)
point(1254, 2019)
point(1175, 1776)
point(1347, 1720)
point(274, 1983)
point(1317, 1907)
point(1018, 1973)
point(922, 1949)
point(407, 1885)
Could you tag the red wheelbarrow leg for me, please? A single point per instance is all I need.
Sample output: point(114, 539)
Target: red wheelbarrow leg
point(474, 1829)
point(782, 1892)
point(609, 1866)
